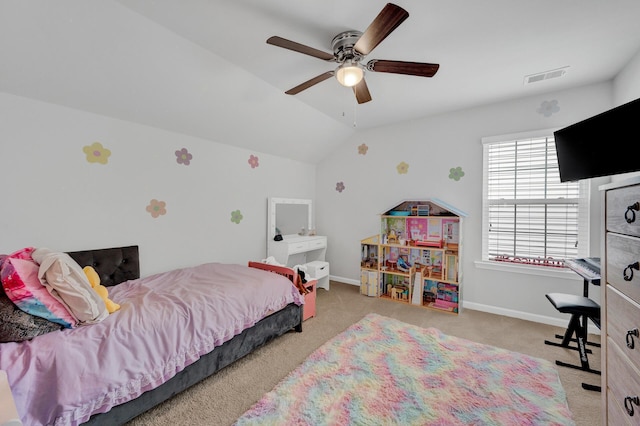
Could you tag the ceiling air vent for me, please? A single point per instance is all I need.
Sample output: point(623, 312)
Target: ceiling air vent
point(533, 78)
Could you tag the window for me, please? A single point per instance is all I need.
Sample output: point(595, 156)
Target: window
point(528, 214)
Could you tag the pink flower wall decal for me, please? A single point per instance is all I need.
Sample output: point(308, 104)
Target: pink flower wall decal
point(183, 157)
point(340, 186)
point(362, 149)
point(157, 208)
point(253, 161)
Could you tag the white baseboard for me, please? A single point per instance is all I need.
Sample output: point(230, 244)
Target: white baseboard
point(344, 280)
point(542, 319)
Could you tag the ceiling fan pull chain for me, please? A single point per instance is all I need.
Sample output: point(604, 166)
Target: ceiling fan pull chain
point(355, 111)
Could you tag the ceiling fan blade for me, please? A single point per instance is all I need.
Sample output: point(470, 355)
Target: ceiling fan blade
point(315, 80)
point(387, 20)
point(301, 48)
point(362, 92)
point(400, 67)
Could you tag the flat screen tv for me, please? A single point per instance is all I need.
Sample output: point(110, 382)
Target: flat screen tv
point(603, 145)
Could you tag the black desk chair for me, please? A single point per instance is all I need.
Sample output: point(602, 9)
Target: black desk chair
point(581, 309)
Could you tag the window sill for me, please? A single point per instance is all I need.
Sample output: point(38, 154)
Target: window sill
point(561, 273)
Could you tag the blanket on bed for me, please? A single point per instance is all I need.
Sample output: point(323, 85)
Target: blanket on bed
point(166, 322)
point(381, 371)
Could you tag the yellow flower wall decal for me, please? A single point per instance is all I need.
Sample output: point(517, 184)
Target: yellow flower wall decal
point(96, 153)
point(403, 168)
point(157, 208)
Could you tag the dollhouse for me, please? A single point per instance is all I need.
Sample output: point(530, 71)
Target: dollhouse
point(415, 259)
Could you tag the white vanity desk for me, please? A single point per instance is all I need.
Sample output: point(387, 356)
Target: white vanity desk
point(290, 215)
point(315, 247)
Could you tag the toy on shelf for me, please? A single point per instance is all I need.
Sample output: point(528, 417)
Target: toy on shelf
point(371, 262)
point(399, 293)
point(403, 265)
point(392, 264)
point(395, 292)
point(429, 271)
point(392, 238)
point(428, 243)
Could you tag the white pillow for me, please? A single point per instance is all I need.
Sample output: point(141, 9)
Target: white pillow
point(67, 282)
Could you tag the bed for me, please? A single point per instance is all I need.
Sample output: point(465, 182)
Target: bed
point(164, 307)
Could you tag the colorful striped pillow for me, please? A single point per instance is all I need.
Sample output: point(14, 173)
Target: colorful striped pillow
point(21, 284)
point(16, 326)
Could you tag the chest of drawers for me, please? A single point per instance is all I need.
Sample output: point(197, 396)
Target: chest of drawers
point(620, 317)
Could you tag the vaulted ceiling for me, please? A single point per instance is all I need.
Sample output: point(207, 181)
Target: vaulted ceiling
point(203, 68)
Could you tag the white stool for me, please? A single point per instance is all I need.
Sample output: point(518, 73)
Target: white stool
point(319, 270)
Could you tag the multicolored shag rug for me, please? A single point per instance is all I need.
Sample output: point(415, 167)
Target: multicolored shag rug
point(381, 371)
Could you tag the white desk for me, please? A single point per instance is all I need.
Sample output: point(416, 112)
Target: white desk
point(297, 250)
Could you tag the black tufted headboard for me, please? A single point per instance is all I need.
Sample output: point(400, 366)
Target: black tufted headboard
point(113, 265)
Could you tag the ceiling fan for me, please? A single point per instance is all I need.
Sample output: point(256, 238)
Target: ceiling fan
point(350, 48)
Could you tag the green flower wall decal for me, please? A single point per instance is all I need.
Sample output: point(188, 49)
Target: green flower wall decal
point(236, 216)
point(456, 173)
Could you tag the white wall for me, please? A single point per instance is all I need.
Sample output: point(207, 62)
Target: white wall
point(53, 197)
point(626, 88)
point(432, 147)
point(626, 85)
point(105, 58)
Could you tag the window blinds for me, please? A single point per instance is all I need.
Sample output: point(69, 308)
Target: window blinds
point(528, 212)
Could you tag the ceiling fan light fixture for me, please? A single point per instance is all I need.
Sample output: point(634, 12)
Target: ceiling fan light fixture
point(349, 50)
point(349, 74)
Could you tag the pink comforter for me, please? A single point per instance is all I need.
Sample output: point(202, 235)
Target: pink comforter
point(166, 322)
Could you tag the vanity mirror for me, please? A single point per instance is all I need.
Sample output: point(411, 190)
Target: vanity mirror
point(289, 215)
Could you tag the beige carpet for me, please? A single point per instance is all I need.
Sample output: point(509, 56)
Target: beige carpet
point(221, 399)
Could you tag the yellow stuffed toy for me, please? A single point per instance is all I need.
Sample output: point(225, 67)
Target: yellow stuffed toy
point(94, 280)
